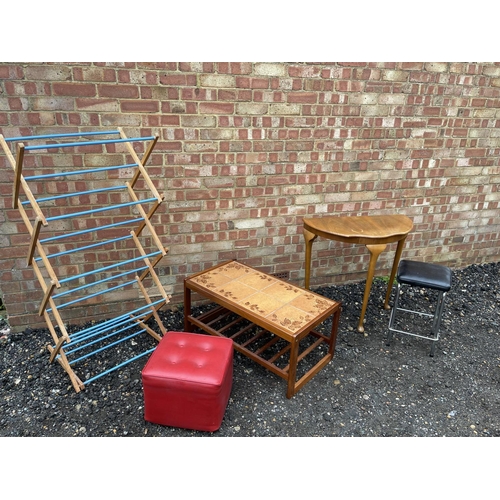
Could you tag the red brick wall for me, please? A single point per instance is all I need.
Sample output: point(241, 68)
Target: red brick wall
point(247, 149)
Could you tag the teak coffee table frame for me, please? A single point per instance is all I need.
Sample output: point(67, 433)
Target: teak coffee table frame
point(267, 318)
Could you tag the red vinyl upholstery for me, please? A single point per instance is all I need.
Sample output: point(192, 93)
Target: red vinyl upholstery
point(187, 381)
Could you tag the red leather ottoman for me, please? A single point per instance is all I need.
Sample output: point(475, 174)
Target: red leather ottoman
point(187, 381)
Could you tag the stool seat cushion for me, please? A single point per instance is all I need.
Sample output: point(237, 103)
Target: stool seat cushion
point(187, 381)
point(426, 275)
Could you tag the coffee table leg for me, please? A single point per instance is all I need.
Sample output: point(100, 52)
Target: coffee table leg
point(335, 328)
point(397, 257)
point(309, 238)
point(187, 308)
point(375, 251)
point(292, 370)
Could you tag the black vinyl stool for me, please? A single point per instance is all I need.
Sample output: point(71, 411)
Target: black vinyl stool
point(423, 275)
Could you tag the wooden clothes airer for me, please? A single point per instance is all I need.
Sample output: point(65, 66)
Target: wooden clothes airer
point(65, 242)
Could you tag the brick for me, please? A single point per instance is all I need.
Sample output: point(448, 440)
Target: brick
point(52, 103)
point(270, 69)
point(118, 91)
point(235, 68)
point(302, 97)
point(284, 109)
point(378, 110)
point(178, 79)
point(251, 108)
point(139, 106)
point(437, 67)
point(198, 121)
point(395, 76)
point(217, 81)
point(75, 89)
point(47, 72)
point(216, 108)
point(252, 83)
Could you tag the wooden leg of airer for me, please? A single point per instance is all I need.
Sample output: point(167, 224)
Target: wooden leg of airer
point(375, 251)
point(395, 264)
point(309, 238)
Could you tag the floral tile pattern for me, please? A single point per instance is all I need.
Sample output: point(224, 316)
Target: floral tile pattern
point(287, 306)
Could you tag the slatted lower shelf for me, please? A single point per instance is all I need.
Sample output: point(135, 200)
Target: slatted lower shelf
point(262, 346)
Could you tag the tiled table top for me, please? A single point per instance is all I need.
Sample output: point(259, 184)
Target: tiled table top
point(263, 298)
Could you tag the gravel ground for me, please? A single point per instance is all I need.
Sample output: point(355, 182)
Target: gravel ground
point(369, 389)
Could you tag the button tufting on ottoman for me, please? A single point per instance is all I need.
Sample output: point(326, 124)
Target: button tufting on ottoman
point(187, 381)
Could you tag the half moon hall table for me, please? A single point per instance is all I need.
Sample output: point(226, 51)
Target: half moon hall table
point(373, 231)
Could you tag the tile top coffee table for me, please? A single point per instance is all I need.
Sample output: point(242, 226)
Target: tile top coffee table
point(269, 320)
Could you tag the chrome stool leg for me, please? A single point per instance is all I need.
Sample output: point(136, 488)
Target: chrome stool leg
point(437, 320)
point(393, 314)
point(422, 275)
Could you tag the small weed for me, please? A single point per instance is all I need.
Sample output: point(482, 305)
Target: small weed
point(384, 279)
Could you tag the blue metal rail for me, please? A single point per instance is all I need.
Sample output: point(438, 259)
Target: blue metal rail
point(72, 195)
point(78, 172)
point(59, 136)
point(86, 143)
point(121, 365)
point(125, 321)
point(112, 323)
point(91, 230)
point(107, 268)
point(102, 209)
point(99, 282)
point(87, 247)
point(95, 294)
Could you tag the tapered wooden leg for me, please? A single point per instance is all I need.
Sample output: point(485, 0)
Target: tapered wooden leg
point(309, 238)
point(187, 308)
point(335, 328)
point(292, 368)
point(395, 264)
point(375, 251)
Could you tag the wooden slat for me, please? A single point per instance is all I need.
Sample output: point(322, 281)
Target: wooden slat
point(145, 159)
point(150, 330)
point(150, 214)
point(33, 202)
point(258, 335)
point(7, 152)
point(24, 184)
point(34, 240)
point(152, 272)
point(18, 170)
point(146, 220)
point(58, 318)
point(48, 292)
point(269, 344)
point(78, 385)
point(52, 330)
point(141, 168)
point(55, 351)
point(153, 265)
point(153, 309)
point(39, 247)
